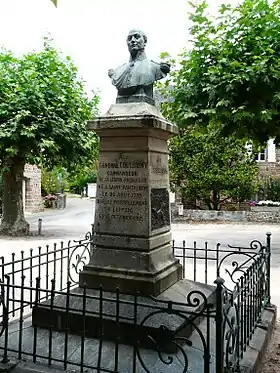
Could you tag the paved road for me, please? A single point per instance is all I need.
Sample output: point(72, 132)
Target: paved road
point(76, 220)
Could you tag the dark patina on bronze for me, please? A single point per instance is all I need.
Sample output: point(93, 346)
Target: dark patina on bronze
point(160, 215)
point(134, 80)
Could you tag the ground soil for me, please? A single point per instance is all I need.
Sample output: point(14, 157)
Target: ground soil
point(272, 359)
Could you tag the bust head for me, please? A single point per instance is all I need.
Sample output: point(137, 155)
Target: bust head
point(136, 41)
point(134, 80)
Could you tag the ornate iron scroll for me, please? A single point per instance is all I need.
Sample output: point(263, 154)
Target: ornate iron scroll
point(238, 268)
point(79, 257)
point(168, 342)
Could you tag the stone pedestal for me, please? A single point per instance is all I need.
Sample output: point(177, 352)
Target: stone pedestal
point(128, 319)
point(132, 217)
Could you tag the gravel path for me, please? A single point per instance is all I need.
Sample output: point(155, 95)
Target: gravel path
point(272, 360)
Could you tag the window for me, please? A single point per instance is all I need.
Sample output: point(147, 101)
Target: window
point(262, 156)
point(267, 154)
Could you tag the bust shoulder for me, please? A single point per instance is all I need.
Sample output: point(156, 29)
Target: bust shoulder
point(121, 67)
point(155, 63)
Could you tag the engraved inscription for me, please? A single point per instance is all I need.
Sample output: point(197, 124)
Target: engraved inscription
point(160, 214)
point(159, 170)
point(122, 193)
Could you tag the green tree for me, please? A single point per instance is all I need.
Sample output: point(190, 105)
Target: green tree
point(231, 74)
point(79, 179)
point(270, 189)
point(43, 114)
point(210, 168)
point(50, 183)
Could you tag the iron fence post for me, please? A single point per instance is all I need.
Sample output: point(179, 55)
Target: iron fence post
point(219, 326)
point(6, 302)
point(268, 258)
point(91, 240)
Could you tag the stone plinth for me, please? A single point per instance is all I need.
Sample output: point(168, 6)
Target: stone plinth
point(129, 319)
point(132, 217)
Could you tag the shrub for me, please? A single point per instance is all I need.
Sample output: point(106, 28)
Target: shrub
point(270, 190)
point(49, 181)
point(80, 181)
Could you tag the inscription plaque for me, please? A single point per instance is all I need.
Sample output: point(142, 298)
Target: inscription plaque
point(122, 193)
point(160, 214)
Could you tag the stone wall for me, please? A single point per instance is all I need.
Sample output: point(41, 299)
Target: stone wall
point(32, 189)
point(270, 169)
point(224, 216)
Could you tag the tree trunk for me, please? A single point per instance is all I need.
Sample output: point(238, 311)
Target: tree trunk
point(13, 221)
point(216, 200)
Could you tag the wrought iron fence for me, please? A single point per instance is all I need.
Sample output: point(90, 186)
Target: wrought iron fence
point(214, 332)
point(243, 292)
point(242, 307)
point(170, 344)
point(61, 262)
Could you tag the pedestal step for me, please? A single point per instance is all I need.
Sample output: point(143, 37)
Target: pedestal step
point(131, 281)
point(147, 321)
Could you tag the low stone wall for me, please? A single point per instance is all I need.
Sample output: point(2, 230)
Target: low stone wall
point(265, 208)
point(226, 216)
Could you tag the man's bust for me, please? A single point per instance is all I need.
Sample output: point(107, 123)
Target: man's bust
point(134, 80)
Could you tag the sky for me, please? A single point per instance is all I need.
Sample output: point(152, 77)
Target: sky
point(93, 32)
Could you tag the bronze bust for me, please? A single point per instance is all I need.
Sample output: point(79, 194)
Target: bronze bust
point(134, 80)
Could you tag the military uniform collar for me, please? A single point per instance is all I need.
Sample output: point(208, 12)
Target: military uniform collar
point(140, 57)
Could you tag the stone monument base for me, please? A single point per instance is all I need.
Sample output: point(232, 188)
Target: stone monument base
point(132, 235)
point(131, 281)
point(128, 319)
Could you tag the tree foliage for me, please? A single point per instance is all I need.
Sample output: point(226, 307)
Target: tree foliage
point(80, 179)
point(54, 181)
point(231, 74)
point(212, 169)
point(44, 109)
point(270, 189)
point(43, 120)
point(74, 182)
